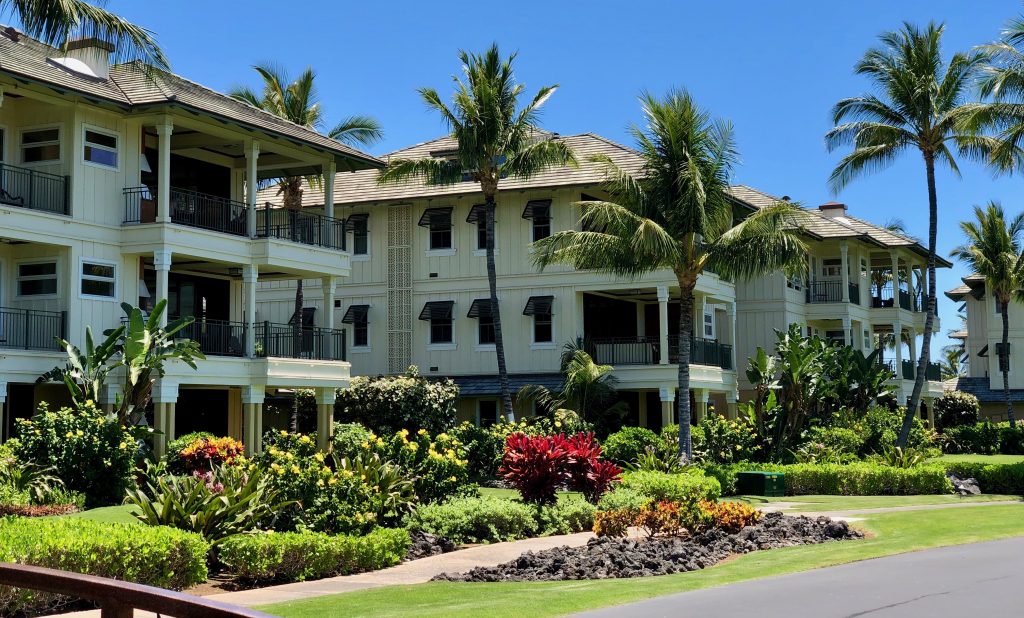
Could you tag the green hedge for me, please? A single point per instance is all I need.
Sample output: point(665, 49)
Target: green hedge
point(855, 479)
point(297, 556)
point(156, 556)
point(992, 478)
point(494, 520)
point(664, 486)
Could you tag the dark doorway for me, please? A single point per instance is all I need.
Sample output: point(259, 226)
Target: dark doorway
point(201, 409)
point(605, 317)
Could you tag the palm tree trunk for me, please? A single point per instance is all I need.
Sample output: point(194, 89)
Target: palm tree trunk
point(929, 320)
point(1004, 362)
point(499, 339)
point(683, 391)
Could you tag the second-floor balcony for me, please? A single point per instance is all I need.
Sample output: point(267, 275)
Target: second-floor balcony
point(647, 351)
point(831, 292)
point(301, 227)
point(907, 301)
point(308, 342)
point(35, 190)
point(907, 370)
point(191, 208)
point(29, 329)
point(217, 337)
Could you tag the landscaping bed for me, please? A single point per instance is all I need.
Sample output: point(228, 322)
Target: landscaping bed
point(607, 557)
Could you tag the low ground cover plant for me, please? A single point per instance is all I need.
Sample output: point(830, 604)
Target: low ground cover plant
point(493, 520)
point(672, 518)
point(156, 556)
point(297, 556)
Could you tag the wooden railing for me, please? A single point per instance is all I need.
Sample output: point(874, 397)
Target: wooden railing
point(118, 599)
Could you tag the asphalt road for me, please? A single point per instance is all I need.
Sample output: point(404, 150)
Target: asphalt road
point(978, 580)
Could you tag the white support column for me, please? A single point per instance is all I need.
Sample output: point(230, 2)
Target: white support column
point(731, 405)
point(730, 312)
point(252, 155)
point(329, 171)
point(844, 251)
point(164, 130)
point(700, 400)
point(668, 404)
point(642, 410)
point(162, 264)
point(847, 327)
point(895, 279)
point(250, 273)
point(165, 398)
point(329, 285)
point(897, 329)
point(914, 304)
point(252, 417)
point(662, 325)
point(4, 420)
point(324, 417)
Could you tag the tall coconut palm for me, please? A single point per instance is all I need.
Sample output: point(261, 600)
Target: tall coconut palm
point(1003, 81)
point(952, 360)
point(993, 250)
point(676, 214)
point(921, 103)
point(54, 22)
point(296, 101)
point(495, 138)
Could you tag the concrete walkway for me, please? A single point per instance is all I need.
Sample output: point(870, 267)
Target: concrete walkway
point(422, 570)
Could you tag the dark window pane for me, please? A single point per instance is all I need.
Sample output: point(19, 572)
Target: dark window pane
point(440, 331)
point(37, 154)
point(486, 330)
point(37, 287)
point(441, 239)
point(97, 270)
point(481, 233)
point(361, 334)
point(36, 270)
point(101, 139)
point(38, 137)
point(542, 332)
point(541, 228)
point(97, 288)
point(488, 413)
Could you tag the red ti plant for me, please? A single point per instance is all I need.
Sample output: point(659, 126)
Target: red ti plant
point(536, 466)
point(600, 478)
point(587, 473)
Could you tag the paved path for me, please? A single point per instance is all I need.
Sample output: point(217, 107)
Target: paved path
point(964, 580)
point(795, 508)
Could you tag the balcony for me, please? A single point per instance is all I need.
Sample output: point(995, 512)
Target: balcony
point(301, 227)
point(28, 188)
point(308, 342)
point(28, 329)
point(831, 292)
point(217, 337)
point(646, 351)
point(933, 373)
point(886, 300)
point(191, 208)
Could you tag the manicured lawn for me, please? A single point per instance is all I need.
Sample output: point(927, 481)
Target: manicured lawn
point(892, 533)
point(993, 459)
point(109, 514)
point(844, 503)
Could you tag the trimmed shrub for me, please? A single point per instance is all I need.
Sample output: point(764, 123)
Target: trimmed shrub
point(349, 438)
point(567, 516)
point(979, 438)
point(956, 408)
point(665, 487)
point(992, 478)
point(87, 450)
point(854, 479)
point(483, 447)
point(155, 556)
point(627, 444)
point(1011, 439)
point(477, 520)
point(731, 517)
point(624, 500)
point(387, 404)
point(721, 440)
point(297, 556)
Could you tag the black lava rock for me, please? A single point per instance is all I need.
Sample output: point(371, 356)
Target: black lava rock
point(425, 544)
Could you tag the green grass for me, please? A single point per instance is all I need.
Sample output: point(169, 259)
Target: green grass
point(991, 459)
point(847, 503)
point(109, 515)
point(892, 533)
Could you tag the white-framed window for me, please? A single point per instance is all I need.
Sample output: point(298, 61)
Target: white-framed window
point(40, 145)
point(98, 279)
point(832, 267)
point(487, 412)
point(100, 147)
point(361, 235)
point(441, 231)
point(543, 328)
point(37, 278)
point(709, 323)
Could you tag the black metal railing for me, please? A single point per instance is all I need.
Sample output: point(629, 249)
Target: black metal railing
point(29, 329)
point(934, 372)
point(908, 370)
point(824, 292)
point(642, 350)
point(33, 189)
point(285, 341)
point(301, 227)
point(854, 290)
point(191, 208)
point(216, 337)
point(907, 300)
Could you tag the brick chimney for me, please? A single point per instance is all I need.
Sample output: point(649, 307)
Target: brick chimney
point(833, 209)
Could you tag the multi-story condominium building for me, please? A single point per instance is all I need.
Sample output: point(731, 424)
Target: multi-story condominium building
point(418, 293)
point(982, 339)
point(120, 184)
point(849, 293)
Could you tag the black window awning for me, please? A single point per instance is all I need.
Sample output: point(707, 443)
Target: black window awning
point(356, 314)
point(437, 310)
point(436, 218)
point(537, 209)
point(539, 305)
point(476, 213)
point(307, 316)
point(481, 308)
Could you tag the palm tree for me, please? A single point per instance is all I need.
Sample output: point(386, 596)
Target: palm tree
point(1003, 81)
point(677, 214)
point(494, 139)
point(952, 359)
point(993, 250)
point(587, 388)
point(297, 102)
point(921, 104)
point(55, 22)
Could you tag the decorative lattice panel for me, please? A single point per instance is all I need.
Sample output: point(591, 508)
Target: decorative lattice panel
point(399, 288)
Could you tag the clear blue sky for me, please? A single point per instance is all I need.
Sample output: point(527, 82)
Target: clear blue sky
point(773, 68)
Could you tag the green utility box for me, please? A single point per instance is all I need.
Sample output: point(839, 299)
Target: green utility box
point(761, 484)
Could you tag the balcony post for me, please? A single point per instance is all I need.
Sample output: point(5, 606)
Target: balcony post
point(329, 171)
point(912, 344)
point(163, 176)
point(252, 155)
point(897, 330)
point(250, 274)
point(328, 284)
point(844, 251)
point(162, 264)
point(730, 312)
point(3, 412)
point(668, 399)
point(700, 400)
point(165, 397)
point(895, 279)
point(324, 416)
point(662, 325)
point(731, 405)
point(913, 295)
point(252, 417)
point(847, 327)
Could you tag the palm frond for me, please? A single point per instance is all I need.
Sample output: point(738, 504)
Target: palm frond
point(357, 130)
